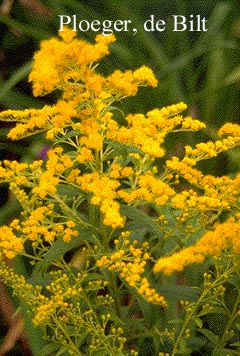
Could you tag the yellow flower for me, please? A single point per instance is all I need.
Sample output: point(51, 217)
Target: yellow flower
point(225, 236)
point(145, 76)
point(10, 244)
point(67, 34)
point(104, 193)
point(71, 56)
point(130, 265)
point(126, 83)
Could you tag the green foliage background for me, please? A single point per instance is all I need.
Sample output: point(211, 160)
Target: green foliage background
point(199, 68)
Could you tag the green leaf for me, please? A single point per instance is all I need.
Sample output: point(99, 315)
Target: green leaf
point(72, 133)
point(121, 149)
point(176, 321)
point(183, 350)
point(18, 75)
point(64, 350)
point(233, 77)
point(150, 311)
point(16, 100)
point(235, 344)
point(176, 293)
point(109, 109)
point(137, 232)
point(210, 336)
point(94, 276)
point(213, 310)
point(49, 349)
point(29, 30)
point(198, 322)
point(142, 219)
point(224, 352)
point(58, 250)
point(68, 191)
point(9, 210)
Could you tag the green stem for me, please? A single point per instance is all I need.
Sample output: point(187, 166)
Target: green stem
point(69, 343)
point(232, 317)
point(172, 309)
point(114, 293)
point(69, 211)
point(34, 334)
point(188, 319)
point(92, 212)
point(110, 275)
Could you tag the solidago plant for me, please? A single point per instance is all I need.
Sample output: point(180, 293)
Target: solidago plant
point(128, 252)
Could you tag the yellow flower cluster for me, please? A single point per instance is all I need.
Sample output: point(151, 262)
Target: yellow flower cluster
point(18, 283)
point(104, 193)
point(214, 193)
point(130, 265)
point(211, 149)
point(230, 129)
point(126, 83)
point(49, 179)
point(142, 134)
point(61, 291)
point(41, 226)
point(205, 150)
point(148, 132)
point(168, 119)
point(66, 63)
point(10, 169)
point(225, 236)
point(61, 299)
point(149, 189)
point(10, 244)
